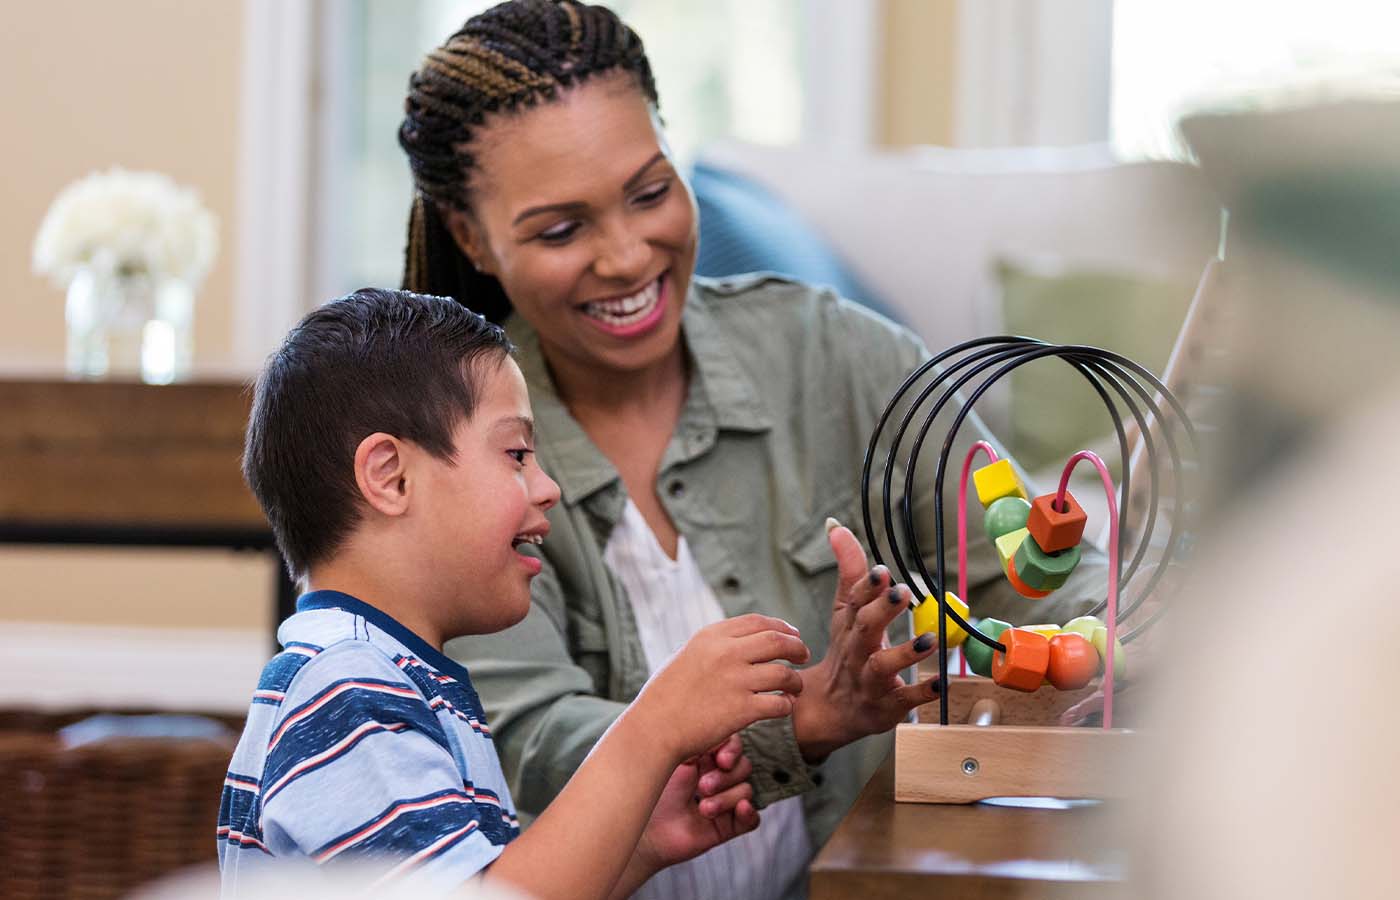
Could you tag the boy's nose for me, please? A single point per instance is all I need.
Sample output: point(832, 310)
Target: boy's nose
point(545, 492)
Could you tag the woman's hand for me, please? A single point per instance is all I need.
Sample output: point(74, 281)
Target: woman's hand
point(856, 689)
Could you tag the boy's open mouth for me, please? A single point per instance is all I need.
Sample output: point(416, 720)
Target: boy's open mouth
point(533, 538)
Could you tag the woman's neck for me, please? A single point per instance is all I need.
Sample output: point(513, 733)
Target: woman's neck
point(656, 392)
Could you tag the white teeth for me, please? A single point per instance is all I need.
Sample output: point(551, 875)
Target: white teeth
point(626, 310)
point(536, 539)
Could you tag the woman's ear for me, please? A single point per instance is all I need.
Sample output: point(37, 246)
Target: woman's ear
point(381, 473)
point(466, 233)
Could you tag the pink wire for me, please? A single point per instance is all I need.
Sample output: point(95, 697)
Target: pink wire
point(1112, 568)
point(962, 528)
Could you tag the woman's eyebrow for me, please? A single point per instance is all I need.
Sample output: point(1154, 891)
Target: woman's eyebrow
point(578, 205)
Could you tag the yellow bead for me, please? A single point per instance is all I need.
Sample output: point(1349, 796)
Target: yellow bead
point(1120, 659)
point(926, 618)
point(1084, 626)
point(996, 481)
point(1008, 544)
point(1048, 630)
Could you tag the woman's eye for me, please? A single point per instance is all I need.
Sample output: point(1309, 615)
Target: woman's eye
point(559, 233)
point(518, 454)
point(653, 194)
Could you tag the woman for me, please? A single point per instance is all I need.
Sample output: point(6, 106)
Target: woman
point(702, 432)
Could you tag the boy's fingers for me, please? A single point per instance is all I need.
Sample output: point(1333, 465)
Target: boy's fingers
point(771, 706)
point(874, 618)
point(729, 752)
point(726, 800)
point(885, 663)
point(745, 817)
point(765, 646)
point(753, 623)
point(719, 780)
point(776, 677)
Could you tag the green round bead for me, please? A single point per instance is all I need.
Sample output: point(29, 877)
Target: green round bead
point(1005, 516)
point(979, 655)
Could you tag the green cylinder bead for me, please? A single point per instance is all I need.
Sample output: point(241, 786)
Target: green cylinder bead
point(979, 655)
point(1005, 516)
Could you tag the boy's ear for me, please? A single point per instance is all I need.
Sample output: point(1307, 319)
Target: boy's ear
point(466, 233)
point(381, 473)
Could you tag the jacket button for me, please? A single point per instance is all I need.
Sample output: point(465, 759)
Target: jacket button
point(676, 488)
point(731, 584)
point(818, 780)
point(781, 776)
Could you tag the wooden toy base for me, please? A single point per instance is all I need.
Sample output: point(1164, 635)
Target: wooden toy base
point(966, 763)
point(1042, 707)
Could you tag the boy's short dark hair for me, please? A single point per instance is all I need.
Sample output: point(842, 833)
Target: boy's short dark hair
point(375, 360)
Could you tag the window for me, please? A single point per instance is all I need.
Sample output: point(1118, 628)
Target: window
point(724, 69)
point(1170, 58)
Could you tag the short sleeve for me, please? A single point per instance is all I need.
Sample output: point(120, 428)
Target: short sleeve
point(359, 769)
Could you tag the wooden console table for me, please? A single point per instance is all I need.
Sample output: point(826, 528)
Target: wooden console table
point(884, 850)
point(125, 463)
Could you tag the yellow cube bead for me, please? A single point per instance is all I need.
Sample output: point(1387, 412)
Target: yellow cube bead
point(1120, 659)
point(996, 481)
point(926, 618)
point(1008, 544)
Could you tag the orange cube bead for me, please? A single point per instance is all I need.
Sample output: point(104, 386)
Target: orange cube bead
point(1073, 661)
point(1054, 529)
point(1022, 667)
point(1021, 587)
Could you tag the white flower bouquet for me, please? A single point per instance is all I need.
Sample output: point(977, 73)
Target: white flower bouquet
point(130, 223)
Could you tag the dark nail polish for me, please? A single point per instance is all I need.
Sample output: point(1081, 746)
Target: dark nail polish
point(894, 594)
point(934, 687)
point(923, 642)
point(875, 574)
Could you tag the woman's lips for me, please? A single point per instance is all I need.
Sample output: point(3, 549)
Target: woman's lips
point(633, 316)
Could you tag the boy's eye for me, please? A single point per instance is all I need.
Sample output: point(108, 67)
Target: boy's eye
point(560, 233)
point(518, 454)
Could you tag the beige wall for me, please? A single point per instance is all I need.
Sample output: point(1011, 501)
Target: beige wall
point(145, 84)
point(918, 73)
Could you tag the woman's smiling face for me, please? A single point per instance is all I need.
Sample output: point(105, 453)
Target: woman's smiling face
point(578, 210)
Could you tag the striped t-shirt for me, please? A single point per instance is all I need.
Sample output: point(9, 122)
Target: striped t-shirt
point(364, 744)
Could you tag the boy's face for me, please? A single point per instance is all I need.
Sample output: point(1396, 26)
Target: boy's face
point(476, 514)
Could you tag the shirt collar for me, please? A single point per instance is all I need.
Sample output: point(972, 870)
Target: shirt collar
point(725, 397)
point(386, 623)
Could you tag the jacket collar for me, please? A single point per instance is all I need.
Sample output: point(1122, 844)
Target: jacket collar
point(722, 395)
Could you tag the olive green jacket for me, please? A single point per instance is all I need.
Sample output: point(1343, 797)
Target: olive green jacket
point(787, 383)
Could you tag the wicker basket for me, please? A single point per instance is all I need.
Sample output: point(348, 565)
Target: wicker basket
point(97, 820)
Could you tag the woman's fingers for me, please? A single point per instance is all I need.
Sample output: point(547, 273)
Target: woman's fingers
point(871, 621)
point(911, 695)
point(854, 580)
point(885, 663)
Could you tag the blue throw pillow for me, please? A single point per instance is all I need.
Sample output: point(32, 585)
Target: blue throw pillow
point(745, 228)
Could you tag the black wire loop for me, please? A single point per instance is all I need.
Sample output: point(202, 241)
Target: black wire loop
point(1118, 382)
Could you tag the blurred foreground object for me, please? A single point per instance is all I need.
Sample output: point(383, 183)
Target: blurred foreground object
point(1278, 777)
point(131, 249)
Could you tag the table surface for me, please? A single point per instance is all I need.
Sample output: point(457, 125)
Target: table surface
point(884, 849)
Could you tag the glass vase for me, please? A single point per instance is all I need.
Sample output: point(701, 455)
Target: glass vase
point(124, 324)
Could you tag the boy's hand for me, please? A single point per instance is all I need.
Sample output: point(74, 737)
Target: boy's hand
point(684, 825)
point(724, 778)
point(724, 679)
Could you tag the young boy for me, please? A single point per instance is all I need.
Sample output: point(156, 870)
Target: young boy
point(390, 444)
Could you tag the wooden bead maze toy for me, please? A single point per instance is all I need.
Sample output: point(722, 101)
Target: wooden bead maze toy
point(1003, 739)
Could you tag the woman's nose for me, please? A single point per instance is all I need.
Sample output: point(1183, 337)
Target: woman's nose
point(623, 255)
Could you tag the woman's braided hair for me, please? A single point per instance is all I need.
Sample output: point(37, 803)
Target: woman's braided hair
point(514, 55)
